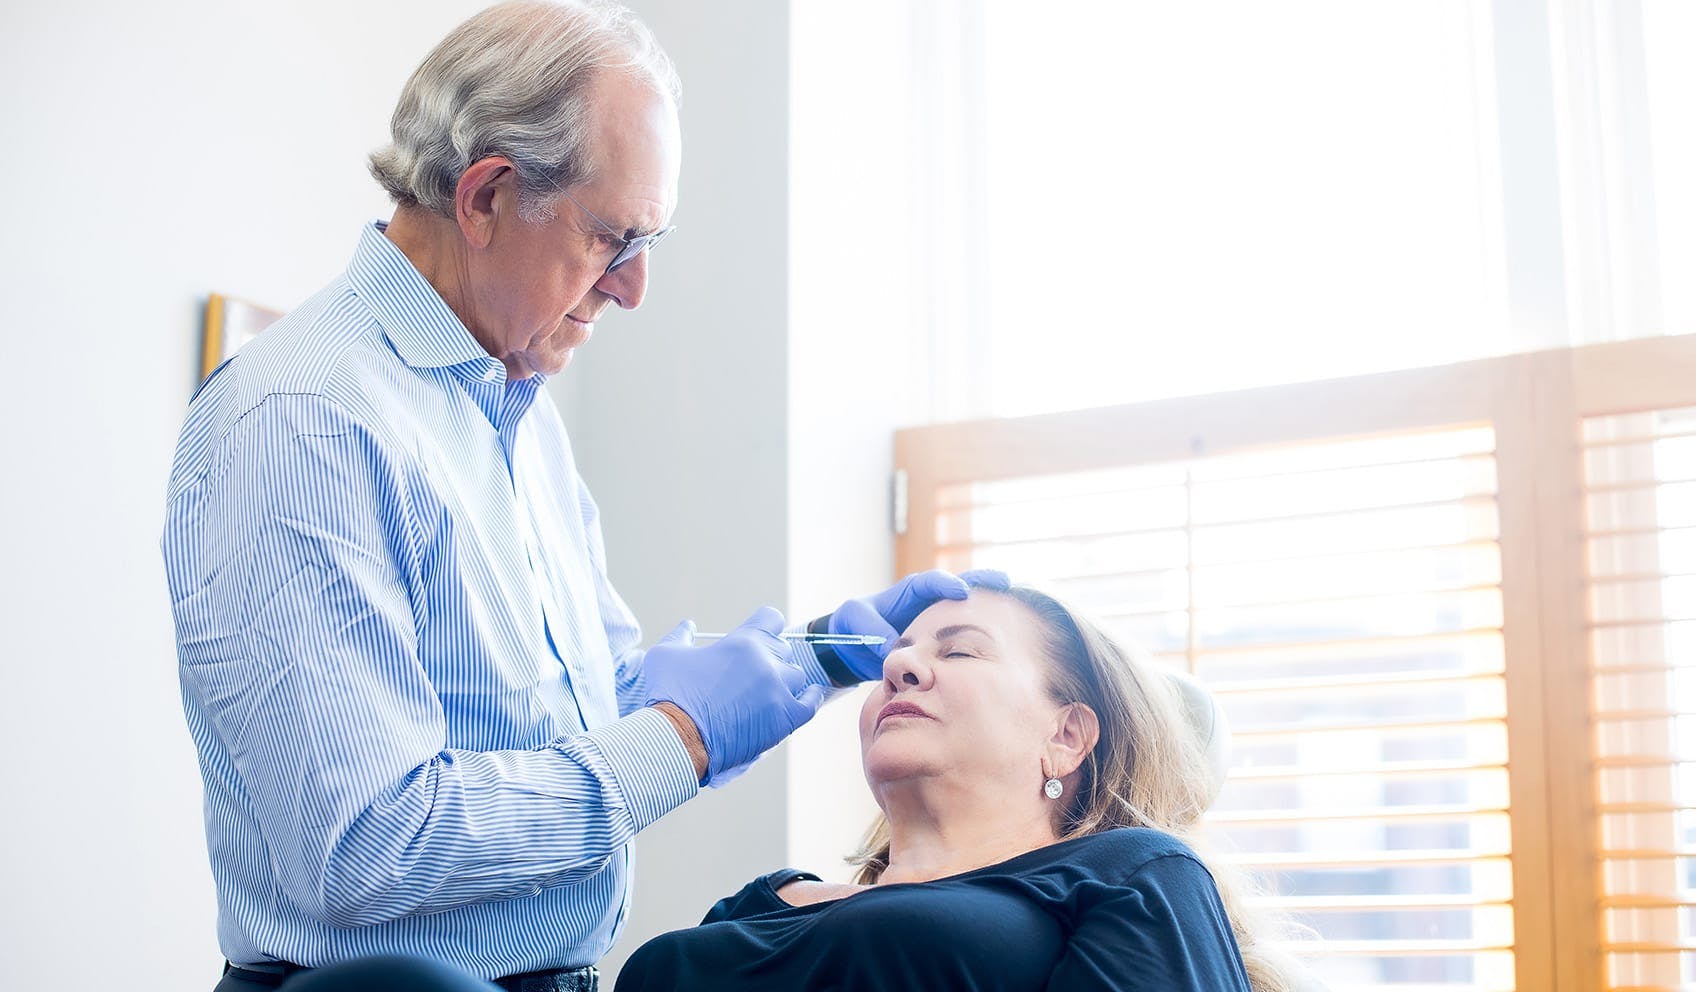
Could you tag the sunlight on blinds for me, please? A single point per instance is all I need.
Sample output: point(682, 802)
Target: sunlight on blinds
point(1640, 473)
point(1342, 600)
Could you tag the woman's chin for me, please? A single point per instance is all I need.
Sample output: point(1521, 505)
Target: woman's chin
point(890, 766)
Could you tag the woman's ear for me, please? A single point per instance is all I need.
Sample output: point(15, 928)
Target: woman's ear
point(1076, 730)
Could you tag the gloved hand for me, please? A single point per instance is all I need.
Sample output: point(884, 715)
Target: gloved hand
point(890, 611)
point(740, 692)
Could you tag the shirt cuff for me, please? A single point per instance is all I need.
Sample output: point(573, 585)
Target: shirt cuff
point(650, 763)
point(803, 656)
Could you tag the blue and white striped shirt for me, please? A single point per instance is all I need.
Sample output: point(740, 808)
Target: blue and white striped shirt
point(417, 699)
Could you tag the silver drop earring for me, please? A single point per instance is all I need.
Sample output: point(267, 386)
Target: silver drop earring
point(1052, 788)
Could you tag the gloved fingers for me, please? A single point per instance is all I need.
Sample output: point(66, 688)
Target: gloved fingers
point(936, 584)
point(917, 591)
point(857, 616)
point(986, 578)
point(682, 636)
point(764, 620)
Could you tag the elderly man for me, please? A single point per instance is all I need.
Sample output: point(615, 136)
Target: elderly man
point(424, 721)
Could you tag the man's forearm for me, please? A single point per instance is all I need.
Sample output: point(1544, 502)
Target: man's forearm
point(526, 819)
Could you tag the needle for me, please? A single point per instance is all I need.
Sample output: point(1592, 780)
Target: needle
point(866, 639)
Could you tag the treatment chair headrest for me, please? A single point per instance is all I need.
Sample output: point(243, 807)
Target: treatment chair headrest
point(1208, 720)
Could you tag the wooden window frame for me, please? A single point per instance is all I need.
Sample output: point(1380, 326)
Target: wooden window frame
point(1535, 403)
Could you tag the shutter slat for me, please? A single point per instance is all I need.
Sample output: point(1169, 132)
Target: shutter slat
point(1641, 709)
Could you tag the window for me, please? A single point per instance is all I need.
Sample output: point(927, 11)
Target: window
point(1640, 473)
point(1103, 202)
point(1456, 768)
point(1182, 198)
point(1342, 599)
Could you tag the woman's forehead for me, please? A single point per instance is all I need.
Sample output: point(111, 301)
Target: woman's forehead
point(986, 613)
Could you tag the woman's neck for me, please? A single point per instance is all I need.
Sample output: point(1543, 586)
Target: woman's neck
point(933, 836)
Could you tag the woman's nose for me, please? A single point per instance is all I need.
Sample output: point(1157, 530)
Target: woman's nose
point(905, 668)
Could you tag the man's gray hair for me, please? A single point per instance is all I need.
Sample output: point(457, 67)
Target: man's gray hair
point(514, 81)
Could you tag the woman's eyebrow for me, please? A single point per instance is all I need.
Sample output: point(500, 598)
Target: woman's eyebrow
point(942, 633)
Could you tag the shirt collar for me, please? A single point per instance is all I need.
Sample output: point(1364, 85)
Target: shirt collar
point(425, 333)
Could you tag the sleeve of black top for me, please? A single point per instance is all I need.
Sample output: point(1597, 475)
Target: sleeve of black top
point(758, 896)
point(1164, 929)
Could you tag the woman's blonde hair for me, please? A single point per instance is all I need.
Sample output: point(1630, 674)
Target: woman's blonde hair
point(1148, 769)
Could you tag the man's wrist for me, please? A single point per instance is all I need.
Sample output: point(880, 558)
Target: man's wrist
point(689, 734)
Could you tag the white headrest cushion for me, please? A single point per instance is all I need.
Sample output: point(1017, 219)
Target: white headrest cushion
point(1211, 727)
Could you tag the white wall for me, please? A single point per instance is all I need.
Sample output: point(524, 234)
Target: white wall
point(154, 152)
point(678, 417)
point(161, 152)
point(857, 349)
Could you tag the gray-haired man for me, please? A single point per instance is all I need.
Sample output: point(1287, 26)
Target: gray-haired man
point(424, 719)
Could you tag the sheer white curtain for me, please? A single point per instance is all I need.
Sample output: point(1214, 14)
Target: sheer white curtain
point(1668, 30)
point(1114, 201)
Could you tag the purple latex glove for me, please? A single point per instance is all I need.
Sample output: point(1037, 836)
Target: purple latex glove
point(890, 611)
point(741, 692)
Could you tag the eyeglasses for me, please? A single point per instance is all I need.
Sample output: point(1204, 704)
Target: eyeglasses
point(630, 247)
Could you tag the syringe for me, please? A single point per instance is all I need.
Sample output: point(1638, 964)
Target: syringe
point(865, 639)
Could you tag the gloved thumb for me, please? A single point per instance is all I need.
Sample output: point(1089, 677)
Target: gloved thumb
point(681, 636)
point(765, 619)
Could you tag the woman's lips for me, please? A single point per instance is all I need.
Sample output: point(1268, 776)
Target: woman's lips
point(900, 707)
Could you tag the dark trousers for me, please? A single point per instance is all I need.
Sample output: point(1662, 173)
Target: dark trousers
point(384, 973)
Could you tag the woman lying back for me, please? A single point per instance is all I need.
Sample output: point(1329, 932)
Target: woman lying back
point(1039, 786)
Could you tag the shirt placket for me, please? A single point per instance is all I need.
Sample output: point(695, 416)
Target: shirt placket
point(570, 641)
point(571, 635)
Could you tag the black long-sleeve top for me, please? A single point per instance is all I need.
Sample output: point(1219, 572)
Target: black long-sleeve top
point(1127, 909)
